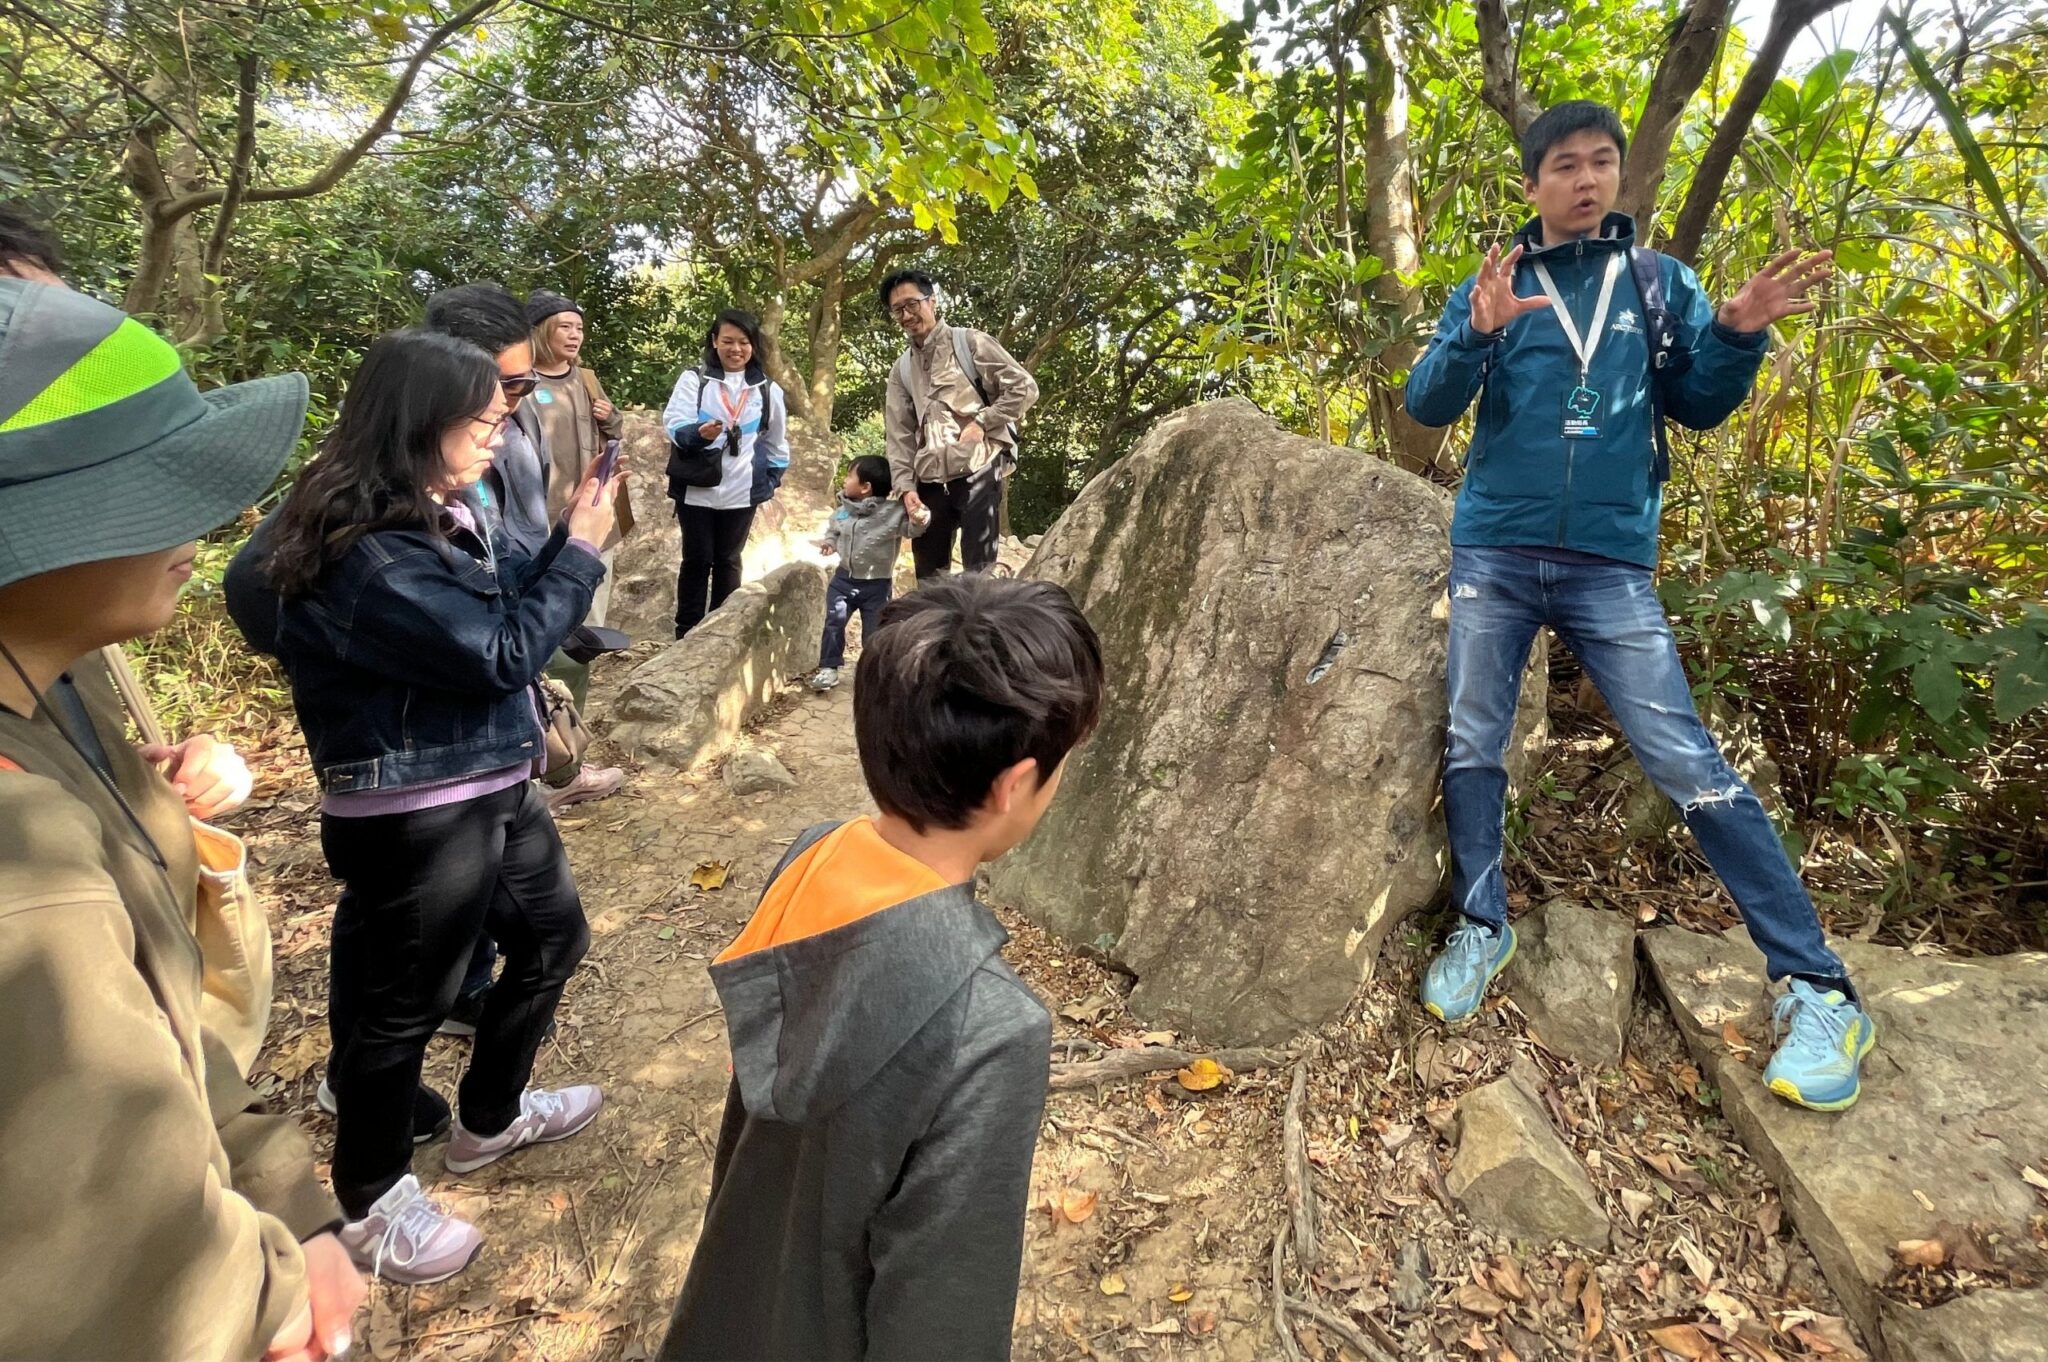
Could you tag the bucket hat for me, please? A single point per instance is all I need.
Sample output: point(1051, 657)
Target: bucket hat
point(107, 448)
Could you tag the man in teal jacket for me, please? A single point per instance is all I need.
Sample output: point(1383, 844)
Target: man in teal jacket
point(1556, 525)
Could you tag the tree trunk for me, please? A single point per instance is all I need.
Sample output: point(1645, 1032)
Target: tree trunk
point(1695, 37)
point(775, 363)
point(1390, 234)
point(1787, 18)
point(826, 328)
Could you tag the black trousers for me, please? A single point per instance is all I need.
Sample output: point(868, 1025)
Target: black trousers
point(971, 508)
point(712, 544)
point(417, 890)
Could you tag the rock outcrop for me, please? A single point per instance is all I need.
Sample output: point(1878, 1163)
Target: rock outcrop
point(1258, 808)
point(1953, 1109)
point(1574, 977)
point(1515, 1176)
point(689, 701)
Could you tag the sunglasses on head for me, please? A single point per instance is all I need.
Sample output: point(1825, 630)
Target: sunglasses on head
point(518, 387)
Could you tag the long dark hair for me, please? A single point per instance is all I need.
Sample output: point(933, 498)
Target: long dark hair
point(383, 454)
point(745, 321)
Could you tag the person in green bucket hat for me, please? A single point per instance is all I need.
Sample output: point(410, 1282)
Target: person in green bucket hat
point(154, 1209)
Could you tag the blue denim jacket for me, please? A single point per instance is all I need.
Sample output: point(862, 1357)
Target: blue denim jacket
point(410, 661)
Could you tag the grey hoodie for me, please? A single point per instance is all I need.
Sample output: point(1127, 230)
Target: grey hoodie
point(868, 534)
point(868, 1195)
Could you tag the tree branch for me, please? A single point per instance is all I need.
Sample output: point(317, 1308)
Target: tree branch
point(1688, 53)
point(331, 174)
point(1500, 77)
point(1787, 18)
point(238, 167)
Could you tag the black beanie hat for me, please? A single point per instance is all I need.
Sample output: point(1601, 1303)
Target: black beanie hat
point(541, 305)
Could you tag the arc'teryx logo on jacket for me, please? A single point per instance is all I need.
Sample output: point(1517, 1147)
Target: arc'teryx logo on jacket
point(1526, 485)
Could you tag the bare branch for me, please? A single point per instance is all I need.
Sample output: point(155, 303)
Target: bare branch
point(1500, 77)
point(238, 168)
point(331, 174)
point(1688, 53)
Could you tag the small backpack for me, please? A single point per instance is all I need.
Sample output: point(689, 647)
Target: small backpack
point(1660, 324)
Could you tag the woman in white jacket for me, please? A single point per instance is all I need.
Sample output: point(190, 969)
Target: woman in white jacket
point(728, 428)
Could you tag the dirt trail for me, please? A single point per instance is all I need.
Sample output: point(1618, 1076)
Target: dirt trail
point(1154, 1210)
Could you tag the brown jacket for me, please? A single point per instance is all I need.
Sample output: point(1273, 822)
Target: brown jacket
point(153, 1209)
point(929, 402)
point(575, 437)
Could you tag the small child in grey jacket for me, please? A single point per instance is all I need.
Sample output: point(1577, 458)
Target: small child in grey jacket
point(866, 532)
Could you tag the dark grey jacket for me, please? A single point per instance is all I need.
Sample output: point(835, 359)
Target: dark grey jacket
point(868, 1196)
point(869, 533)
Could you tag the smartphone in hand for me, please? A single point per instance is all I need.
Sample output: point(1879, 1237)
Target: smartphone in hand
point(607, 464)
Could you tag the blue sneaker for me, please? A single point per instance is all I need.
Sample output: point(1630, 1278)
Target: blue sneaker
point(1822, 1039)
point(1457, 979)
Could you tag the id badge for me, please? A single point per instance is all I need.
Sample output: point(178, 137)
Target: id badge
point(1581, 414)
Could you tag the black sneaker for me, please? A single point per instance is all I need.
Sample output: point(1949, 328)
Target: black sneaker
point(463, 1017)
point(431, 1118)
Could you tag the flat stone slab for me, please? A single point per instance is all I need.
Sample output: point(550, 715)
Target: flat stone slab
point(1954, 1104)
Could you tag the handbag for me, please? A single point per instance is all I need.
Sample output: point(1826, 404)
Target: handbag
point(238, 970)
point(562, 732)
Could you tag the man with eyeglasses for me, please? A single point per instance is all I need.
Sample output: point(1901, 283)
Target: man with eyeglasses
point(950, 416)
point(517, 485)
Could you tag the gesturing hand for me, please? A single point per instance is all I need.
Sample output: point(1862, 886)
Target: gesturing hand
point(1778, 291)
point(602, 408)
point(207, 774)
point(1494, 301)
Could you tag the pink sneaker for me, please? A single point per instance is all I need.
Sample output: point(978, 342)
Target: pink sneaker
point(408, 1239)
point(592, 782)
point(543, 1118)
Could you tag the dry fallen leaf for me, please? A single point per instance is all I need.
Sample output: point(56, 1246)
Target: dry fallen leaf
point(1508, 1278)
point(1696, 1258)
point(1088, 1011)
point(1921, 1252)
point(1156, 1038)
point(1475, 1299)
point(1154, 1102)
point(1076, 1205)
point(2035, 1179)
point(1112, 1285)
point(1732, 1038)
point(1164, 1326)
point(1595, 1312)
point(1202, 1320)
point(710, 875)
point(1635, 1205)
point(1202, 1075)
point(1686, 1341)
point(1179, 1292)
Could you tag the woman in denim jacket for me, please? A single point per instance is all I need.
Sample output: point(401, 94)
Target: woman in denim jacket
point(412, 646)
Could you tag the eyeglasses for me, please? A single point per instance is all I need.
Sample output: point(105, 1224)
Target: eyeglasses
point(907, 309)
point(490, 427)
point(519, 386)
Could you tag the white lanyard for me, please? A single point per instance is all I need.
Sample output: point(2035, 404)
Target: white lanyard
point(1582, 346)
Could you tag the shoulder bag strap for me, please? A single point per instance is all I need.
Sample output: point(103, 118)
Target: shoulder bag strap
point(133, 698)
point(1660, 332)
point(963, 351)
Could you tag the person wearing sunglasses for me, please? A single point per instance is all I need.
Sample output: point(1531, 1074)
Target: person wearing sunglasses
point(514, 492)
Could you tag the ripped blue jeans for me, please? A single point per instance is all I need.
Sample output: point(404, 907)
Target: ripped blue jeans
point(1609, 616)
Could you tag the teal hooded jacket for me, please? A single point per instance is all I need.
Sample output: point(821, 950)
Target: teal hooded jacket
point(1526, 484)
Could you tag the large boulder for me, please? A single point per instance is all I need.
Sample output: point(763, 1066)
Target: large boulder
point(1257, 809)
point(1953, 1110)
point(644, 574)
point(689, 701)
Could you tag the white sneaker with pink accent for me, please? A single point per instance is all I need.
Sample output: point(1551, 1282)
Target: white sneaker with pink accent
point(544, 1117)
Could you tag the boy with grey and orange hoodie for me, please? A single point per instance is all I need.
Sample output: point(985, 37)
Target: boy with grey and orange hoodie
point(889, 1069)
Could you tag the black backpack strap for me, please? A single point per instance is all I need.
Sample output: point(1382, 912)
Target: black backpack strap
point(1660, 329)
point(963, 354)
